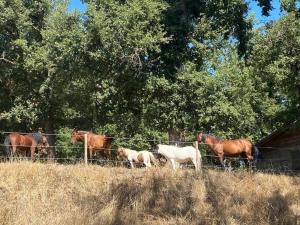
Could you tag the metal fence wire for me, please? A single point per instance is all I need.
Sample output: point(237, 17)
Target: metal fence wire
point(208, 160)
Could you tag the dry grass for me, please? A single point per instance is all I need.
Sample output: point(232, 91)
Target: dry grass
point(33, 193)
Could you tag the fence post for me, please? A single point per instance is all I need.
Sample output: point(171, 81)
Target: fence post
point(85, 149)
point(197, 156)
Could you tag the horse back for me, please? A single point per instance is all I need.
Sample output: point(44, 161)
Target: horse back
point(178, 152)
point(236, 146)
point(15, 138)
point(21, 141)
point(29, 140)
point(97, 141)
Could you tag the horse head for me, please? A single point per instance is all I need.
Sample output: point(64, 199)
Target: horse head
point(161, 159)
point(121, 154)
point(45, 145)
point(74, 136)
point(201, 137)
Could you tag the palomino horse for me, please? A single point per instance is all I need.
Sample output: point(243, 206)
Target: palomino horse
point(26, 143)
point(100, 143)
point(177, 155)
point(233, 148)
point(144, 157)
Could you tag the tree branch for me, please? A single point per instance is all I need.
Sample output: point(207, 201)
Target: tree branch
point(6, 60)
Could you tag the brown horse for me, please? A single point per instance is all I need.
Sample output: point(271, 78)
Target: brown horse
point(95, 143)
point(231, 148)
point(25, 143)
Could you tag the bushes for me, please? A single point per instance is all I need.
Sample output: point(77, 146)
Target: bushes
point(64, 148)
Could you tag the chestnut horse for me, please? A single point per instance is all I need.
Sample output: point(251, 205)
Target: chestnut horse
point(231, 148)
point(25, 143)
point(95, 143)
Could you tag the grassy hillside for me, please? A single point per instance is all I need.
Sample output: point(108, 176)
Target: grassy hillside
point(33, 193)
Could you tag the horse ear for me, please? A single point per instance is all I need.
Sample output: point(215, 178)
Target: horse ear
point(199, 136)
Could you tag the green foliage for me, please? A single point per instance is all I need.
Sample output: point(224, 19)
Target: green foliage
point(144, 139)
point(144, 68)
point(64, 147)
point(276, 60)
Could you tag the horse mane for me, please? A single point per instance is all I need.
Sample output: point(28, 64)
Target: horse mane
point(84, 132)
point(109, 139)
point(38, 137)
point(212, 136)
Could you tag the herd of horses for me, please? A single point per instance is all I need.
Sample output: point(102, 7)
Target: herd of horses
point(38, 143)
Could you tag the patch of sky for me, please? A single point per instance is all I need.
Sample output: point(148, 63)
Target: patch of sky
point(255, 10)
point(275, 13)
point(210, 68)
point(190, 45)
point(77, 5)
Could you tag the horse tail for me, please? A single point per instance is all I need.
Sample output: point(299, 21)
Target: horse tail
point(255, 153)
point(153, 159)
point(108, 140)
point(7, 145)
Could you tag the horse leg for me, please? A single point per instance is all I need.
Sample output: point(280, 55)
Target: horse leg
point(196, 164)
point(32, 150)
point(148, 162)
point(173, 164)
point(131, 164)
point(108, 153)
point(13, 152)
point(228, 167)
point(226, 164)
point(249, 160)
point(91, 153)
point(250, 163)
point(221, 159)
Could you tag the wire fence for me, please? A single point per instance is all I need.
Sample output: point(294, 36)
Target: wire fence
point(274, 164)
point(150, 150)
point(160, 141)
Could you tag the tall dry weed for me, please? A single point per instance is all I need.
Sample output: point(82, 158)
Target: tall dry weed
point(33, 193)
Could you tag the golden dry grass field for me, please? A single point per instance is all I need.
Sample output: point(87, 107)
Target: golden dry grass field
point(34, 193)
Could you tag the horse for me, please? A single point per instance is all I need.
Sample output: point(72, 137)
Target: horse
point(144, 157)
point(230, 148)
point(177, 155)
point(100, 143)
point(27, 143)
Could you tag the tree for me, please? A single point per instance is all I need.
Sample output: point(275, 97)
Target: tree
point(121, 38)
point(20, 30)
point(276, 60)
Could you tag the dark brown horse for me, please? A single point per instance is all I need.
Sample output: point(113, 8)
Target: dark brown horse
point(95, 143)
point(231, 148)
point(29, 143)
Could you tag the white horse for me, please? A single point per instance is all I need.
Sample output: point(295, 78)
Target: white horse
point(177, 155)
point(144, 157)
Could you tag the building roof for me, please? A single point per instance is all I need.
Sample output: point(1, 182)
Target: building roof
point(281, 133)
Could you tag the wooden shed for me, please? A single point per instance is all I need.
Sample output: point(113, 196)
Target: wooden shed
point(281, 149)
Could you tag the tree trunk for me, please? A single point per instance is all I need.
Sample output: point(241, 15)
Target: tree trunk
point(176, 137)
point(49, 129)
